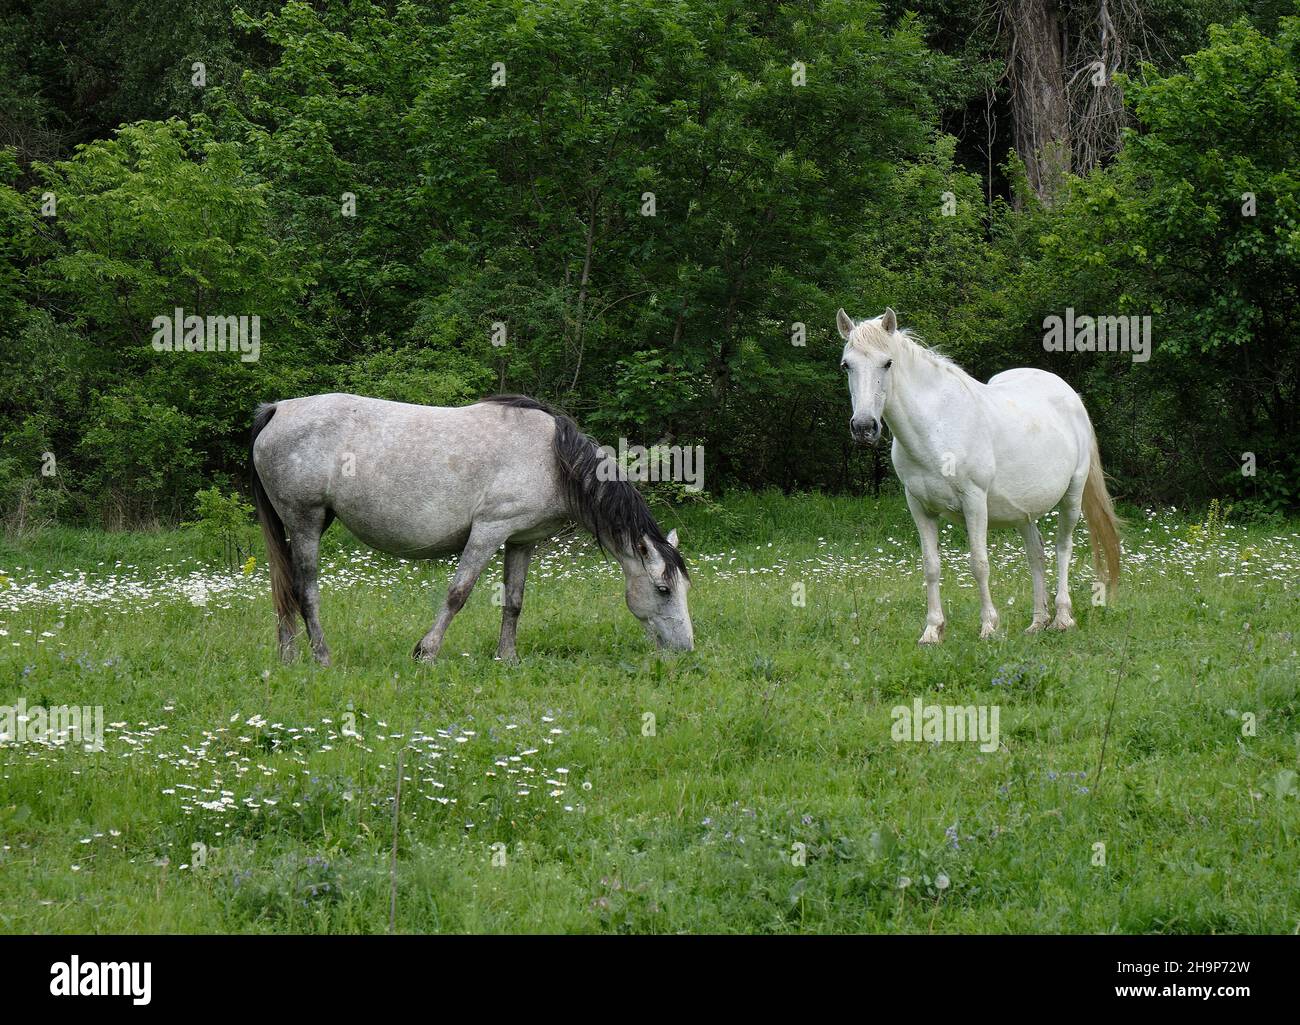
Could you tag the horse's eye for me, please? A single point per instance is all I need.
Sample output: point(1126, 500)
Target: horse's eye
point(888, 363)
point(844, 367)
point(665, 591)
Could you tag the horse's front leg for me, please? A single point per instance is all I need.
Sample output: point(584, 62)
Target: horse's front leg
point(928, 528)
point(975, 507)
point(482, 545)
point(512, 598)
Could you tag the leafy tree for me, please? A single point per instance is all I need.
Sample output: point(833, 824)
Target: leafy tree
point(646, 211)
point(1198, 224)
point(157, 218)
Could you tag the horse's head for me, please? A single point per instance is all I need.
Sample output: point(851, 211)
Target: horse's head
point(866, 362)
point(656, 591)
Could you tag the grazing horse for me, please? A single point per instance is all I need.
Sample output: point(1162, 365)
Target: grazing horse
point(421, 481)
point(1000, 454)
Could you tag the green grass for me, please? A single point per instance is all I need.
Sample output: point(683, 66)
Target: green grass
point(775, 732)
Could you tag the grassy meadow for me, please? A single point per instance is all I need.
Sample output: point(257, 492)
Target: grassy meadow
point(751, 786)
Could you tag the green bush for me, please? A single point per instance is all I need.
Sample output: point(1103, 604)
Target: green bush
point(225, 522)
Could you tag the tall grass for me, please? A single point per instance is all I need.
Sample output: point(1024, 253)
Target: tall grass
point(752, 785)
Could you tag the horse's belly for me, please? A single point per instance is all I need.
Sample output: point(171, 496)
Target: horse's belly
point(1005, 511)
point(1027, 488)
point(414, 509)
point(1019, 483)
point(427, 529)
point(411, 537)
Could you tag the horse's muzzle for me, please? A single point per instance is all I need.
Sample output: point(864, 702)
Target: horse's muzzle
point(866, 431)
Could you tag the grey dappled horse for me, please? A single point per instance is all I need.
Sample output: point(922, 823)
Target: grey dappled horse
point(421, 481)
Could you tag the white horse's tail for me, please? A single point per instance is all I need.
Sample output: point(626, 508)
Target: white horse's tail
point(1103, 524)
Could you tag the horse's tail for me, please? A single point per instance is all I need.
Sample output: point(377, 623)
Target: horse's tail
point(277, 546)
point(1103, 524)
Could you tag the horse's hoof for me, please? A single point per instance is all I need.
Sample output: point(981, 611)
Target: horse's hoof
point(509, 658)
point(1037, 626)
point(932, 635)
point(323, 660)
point(422, 654)
point(1063, 623)
point(988, 630)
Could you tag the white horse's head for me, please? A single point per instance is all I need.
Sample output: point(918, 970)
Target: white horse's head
point(656, 591)
point(867, 360)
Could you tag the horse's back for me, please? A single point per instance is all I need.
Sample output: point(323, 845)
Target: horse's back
point(1035, 392)
point(406, 478)
point(480, 433)
point(1033, 381)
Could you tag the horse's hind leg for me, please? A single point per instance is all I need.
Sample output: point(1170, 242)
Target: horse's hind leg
point(1037, 569)
point(516, 570)
point(976, 511)
point(305, 531)
point(482, 545)
point(1069, 513)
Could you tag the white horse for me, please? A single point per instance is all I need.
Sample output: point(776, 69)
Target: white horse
point(1000, 454)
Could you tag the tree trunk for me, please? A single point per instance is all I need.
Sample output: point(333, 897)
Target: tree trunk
point(583, 283)
point(1039, 104)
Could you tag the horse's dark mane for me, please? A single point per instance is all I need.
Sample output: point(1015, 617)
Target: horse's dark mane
point(613, 510)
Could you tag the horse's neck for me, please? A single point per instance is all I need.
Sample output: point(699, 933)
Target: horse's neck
point(924, 395)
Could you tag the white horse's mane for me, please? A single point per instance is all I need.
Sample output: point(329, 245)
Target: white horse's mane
point(904, 343)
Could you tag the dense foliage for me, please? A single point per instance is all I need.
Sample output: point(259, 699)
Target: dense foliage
point(645, 211)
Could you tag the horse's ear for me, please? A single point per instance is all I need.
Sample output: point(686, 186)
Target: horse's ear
point(889, 322)
point(672, 537)
point(845, 323)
